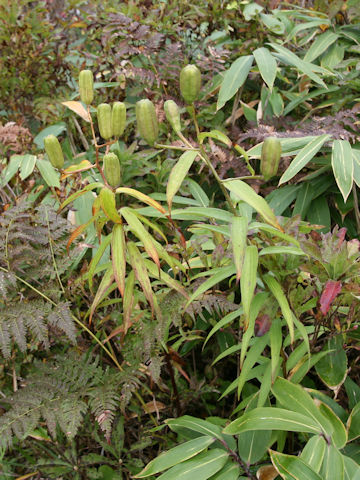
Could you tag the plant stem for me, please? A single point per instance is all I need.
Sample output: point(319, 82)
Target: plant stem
point(174, 147)
point(237, 459)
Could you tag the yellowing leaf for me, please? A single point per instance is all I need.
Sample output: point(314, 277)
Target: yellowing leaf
point(78, 108)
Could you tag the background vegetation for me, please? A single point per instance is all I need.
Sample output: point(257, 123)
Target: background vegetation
point(197, 308)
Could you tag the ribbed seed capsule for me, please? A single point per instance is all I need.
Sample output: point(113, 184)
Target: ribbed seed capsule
point(54, 151)
point(270, 157)
point(104, 120)
point(112, 170)
point(118, 118)
point(146, 121)
point(86, 86)
point(190, 83)
point(172, 114)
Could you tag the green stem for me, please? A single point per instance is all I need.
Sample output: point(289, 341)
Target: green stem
point(246, 157)
point(174, 147)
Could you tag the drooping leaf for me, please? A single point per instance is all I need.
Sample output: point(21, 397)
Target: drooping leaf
point(293, 468)
point(142, 197)
point(238, 230)
point(248, 195)
point(48, 173)
point(108, 204)
point(176, 455)
point(267, 65)
point(178, 173)
point(216, 135)
point(105, 283)
point(331, 291)
point(78, 108)
point(118, 256)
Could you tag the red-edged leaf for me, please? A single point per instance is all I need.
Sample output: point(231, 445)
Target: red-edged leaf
point(330, 292)
point(78, 231)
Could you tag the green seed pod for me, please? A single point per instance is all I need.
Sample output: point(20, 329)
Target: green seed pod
point(270, 157)
point(118, 118)
point(112, 169)
point(173, 115)
point(104, 120)
point(54, 151)
point(146, 121)
point(86, 86)
point(190, 83)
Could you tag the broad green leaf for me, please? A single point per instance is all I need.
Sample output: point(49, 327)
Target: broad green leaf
point(141, 233)
point(276, 290)
point(332, 368)
point(352, 392)
point(351, 469)
point(303, 158)
point(339, 435)
point(280, 198)
point(319, 213)
point(295, 398)
point(248, 278)
point(55, 129)
point(275, 346)
point(11, 169)
point(271, 418)
point(215, 278)
point(195, 213)
point(273, 23)
point(289, 146)
point(141, 274)
point(178, 173)
point(238, 229)
point(118, 256)
point(304, 199)
point(176, 455)
point(201, 467)
point(216, 135)
point(48, 173)
point(27, 166)
point(97, 257)
point(230, 471)
point(105, 283)
point(353, 423)
point(333, 464)
point(198, 193)
point(305, 67)
point(252, 446)
point(356, 161)
point(322, 43)
point(196, 425)
point(249, 196)
point(234, 78)
point(108, 204)
point(313, 452)
point(267, 65)
point(293, 468)
point(269, 229)
point(343, 166)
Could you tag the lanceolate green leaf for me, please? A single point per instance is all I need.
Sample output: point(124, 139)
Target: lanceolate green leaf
point(275, 345)
point(295, 398)
point(293, 468)
point(230, 471)
point(343, 166)
point(322, 43)
point(303, 157)
point(339, 435)
point(97, 257)
point(267, 65)
point(216, 135)
point(276, 290)
point(333, 464)
point(201, 467)
point(105, 283)
point(238, 229)
point(248, 195)
point(271, 418)
point(248, 278)
point(234, 79)
point(223, 322)
point(196, 425)
point(178, 173)
point(118, 256)
point(48, 172)
point(313, 452)
point(176, 455)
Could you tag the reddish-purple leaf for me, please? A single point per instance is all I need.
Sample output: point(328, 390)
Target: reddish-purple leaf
point(330, 292)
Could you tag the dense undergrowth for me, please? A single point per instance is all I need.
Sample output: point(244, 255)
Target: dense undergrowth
point(165, 284)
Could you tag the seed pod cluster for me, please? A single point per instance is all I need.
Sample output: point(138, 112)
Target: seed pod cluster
point(147, 121)
point(270, 157)
point(190, 83)
point(112, 170)
point(54, 151)
point(173, 115)
point(86, 86)
point(118, 118)
point(104, 120)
